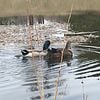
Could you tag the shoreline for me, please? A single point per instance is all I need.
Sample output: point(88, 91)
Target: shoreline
point(18, 34)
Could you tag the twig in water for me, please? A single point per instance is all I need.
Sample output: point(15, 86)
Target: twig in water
point(84, 96)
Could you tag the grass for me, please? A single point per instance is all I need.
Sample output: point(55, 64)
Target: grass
point(45, 7)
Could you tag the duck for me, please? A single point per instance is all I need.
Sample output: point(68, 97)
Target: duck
point(49, 52)
point(57, 52)
point(35, 53)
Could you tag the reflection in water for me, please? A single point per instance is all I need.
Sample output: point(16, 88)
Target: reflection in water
point(56, 60)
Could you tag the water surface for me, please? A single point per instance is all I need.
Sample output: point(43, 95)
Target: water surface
point(21, 79)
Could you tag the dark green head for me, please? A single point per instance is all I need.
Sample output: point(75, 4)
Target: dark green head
point(46, 45)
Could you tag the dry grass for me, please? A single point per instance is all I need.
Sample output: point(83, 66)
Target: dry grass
point(45, 7)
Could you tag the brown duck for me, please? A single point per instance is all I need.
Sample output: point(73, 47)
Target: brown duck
point(54, 53)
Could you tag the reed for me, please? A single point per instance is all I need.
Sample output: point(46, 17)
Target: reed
point(84, 96)
point(38, 75)
point(68, 21)
point(40, 80)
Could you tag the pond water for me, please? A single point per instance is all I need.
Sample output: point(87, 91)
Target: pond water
point(26, 79)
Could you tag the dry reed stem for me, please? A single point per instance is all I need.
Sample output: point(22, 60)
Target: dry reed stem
point(30, 44)
point(37, 34)
point(40, 89)
point(40, 86)
point(57, 82)
point(42, 81)
point(64, 91)
point(30, 36)
point(84, 96)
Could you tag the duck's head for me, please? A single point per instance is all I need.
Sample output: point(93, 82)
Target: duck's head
point(46, 45)
point(68, 45)
point(24, 52)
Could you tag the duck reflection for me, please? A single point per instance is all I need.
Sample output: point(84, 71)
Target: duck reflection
point(24, 59)
point(56, 60)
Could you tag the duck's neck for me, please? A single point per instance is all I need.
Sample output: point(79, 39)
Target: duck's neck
point(68, 45)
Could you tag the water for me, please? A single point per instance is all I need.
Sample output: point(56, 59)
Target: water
point(25, 78)
point(20, 79)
